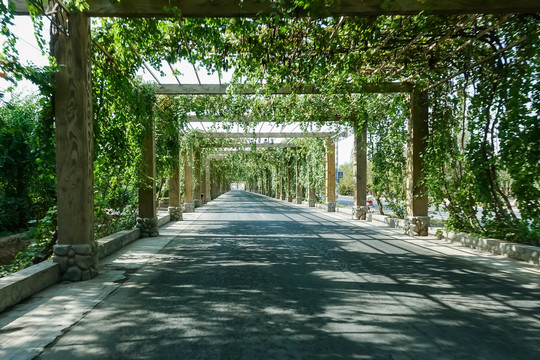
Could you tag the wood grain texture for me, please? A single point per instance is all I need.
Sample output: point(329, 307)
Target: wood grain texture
point(207, 182)
point(299, 194)
point(215, 89)
point(417, 200)
point(174, 185)
point(74, 133)
point(262, 135)
point(330, 171)
point(252, 8)
point(359, 165)
point(147, 190)
point(197, 175)
point(188, 177)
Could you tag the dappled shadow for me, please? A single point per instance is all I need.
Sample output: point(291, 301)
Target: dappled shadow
point(305, 289)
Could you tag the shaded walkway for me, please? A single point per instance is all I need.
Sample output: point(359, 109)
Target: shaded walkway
point(256, 278)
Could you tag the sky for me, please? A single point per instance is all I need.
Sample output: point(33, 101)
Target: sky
point(29, 52)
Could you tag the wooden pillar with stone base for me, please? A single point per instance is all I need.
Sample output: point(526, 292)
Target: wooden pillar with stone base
point(197, 177)
point(330, 175)
point(359, 210)
point(175, 208)
point(147, 221)
point(76, 251)
point(207, 182)
point(417, 200)
point(299, 196)
point(188, 182)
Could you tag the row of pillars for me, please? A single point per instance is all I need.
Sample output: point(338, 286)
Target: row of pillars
point(283, 188)
point(76, 251)
point(417, 201)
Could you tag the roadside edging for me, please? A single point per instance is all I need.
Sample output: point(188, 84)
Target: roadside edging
point(24, 283)
point(526, 253)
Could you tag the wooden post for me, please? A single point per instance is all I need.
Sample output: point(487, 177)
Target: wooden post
point(207, 191)
point(283, 189)
point(312, 197)
point(188, 182)
point(147, 221)
point(197, 179)
point(299, 195)
point(175, 210)
point(360, 209)
point(289, 182)
point(330, 175)
point(417, 200)
point(203, 184)
point(268, 182)
point(76, 252)
point(278, 184)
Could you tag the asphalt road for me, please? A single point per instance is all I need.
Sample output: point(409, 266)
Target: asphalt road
point(256, 278)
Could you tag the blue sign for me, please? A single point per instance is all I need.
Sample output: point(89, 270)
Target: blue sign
point(340, 175)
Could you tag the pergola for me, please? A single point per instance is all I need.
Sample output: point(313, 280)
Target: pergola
point(74, 130)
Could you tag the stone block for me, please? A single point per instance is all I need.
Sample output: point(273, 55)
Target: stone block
point(84, 261)
point(175, 213)
point(417, 225)
point(359, 212)
point(189, 207)
point(62, 261)
point(61, 250)
point(73, 273)
point(82, 249)
point(331, 207)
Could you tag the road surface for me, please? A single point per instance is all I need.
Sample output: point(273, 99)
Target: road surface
point(257, 278)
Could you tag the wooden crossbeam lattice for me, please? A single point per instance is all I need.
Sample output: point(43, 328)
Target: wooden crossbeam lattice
point(252, 8)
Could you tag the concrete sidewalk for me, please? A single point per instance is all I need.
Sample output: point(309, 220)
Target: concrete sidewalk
point(29, 327)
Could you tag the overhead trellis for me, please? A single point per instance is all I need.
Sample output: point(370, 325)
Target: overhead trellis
point(478, 61)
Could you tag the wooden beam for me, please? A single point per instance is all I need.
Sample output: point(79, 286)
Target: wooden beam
point(247, 147)
point(215, 89)
point(253, 8)
point(216, 135)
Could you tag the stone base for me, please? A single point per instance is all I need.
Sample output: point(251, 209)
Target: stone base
point(331, 207)
point(175, 212)
point(359, 212)
point(299, 200)
point(283, 197)
point(77, 262)
point(197, 203)
point(189, 207)
point(148, 226)
point(289, 199)
point(417, 225)
point(311, 202)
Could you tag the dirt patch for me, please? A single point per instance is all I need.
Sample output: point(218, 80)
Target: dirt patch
point(11, 245)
